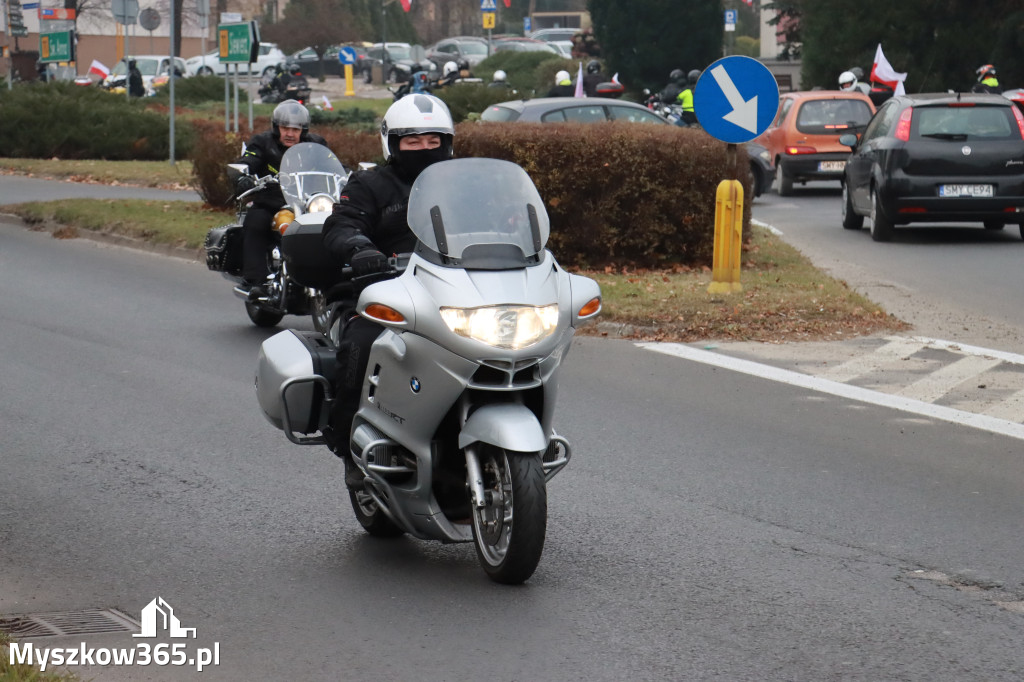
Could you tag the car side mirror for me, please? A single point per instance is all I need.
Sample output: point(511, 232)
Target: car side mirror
point(848, 140)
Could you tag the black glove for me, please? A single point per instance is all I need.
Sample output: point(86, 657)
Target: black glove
point(368, 262)
point(244, 184)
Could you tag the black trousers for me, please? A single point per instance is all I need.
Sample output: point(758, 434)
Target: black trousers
point(256, 241)
point(357, 336)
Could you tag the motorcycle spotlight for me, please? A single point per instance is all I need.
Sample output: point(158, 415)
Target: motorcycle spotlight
point(320, 203)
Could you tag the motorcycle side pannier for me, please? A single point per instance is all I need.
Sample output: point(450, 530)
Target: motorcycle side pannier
point(309, 263)
point(224, 249)
point(293, 370)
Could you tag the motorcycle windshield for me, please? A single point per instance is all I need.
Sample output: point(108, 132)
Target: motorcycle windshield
point(482, 213)
point(308, 169)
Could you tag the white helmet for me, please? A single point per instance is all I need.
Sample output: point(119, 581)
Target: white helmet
point(416, 114)
point(847, 81)
point(449, 68)
point(561, 77)
point(499, 76)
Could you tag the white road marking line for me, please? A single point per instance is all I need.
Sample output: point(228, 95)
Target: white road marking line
point(898, 348)
point(947, 414)
point(1010, 409)
point(936, 384)
point(965, 349)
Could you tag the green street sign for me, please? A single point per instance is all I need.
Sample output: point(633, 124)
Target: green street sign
point(57, 47)
point(238, 43)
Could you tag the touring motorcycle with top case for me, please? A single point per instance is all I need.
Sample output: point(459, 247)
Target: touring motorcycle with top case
point(454, 438)
point(311, 178)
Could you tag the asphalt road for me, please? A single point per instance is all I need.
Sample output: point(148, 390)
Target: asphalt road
point(712, 525)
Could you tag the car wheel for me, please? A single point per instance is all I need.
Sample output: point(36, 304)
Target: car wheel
point(783, 183)
point(881, 227)
point(994, 224)
point(204, 71)
point(268, 72)
point(756, 182)
point(851, 219)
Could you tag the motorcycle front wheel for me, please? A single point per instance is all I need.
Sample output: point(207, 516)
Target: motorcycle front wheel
point(509, 531)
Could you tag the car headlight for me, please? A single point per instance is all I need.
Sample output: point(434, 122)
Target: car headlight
point(320, 203)
point(511, 327)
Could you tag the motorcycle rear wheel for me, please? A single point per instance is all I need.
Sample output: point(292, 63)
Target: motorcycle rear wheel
point(261, 317)
point(370, 517)
point(509, 532)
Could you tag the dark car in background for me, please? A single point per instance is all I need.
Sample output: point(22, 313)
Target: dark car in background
point(472, 49)
point(937, 157)
point(309, 62)
point(400, 61)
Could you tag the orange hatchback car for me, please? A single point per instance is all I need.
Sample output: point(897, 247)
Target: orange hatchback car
point(803, 140)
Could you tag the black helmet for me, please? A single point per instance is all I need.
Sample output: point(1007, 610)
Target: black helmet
point(294, 69)
point(463, 64)
point(290, 114)
point(593, 66)
point(693, 76)
point(677, 76)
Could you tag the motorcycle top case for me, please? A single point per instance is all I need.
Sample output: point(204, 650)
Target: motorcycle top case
point(309, 262)
point(224, 249)
point(299, 356)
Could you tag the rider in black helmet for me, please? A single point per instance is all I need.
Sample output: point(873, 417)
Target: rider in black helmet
point(592, 78)
point(676, 83)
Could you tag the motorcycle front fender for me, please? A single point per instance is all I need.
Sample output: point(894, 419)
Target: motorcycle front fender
point(505, 425)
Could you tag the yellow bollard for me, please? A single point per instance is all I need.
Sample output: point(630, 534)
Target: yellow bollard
point(725, 271)
point(349, 90)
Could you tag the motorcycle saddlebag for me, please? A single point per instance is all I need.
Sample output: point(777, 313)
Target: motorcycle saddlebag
point(309, 262)
point(294, 372)
point(224, 249)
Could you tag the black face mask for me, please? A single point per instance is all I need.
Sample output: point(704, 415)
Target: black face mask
point(410, 163)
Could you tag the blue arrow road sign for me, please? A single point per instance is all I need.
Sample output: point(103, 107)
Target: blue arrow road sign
point(736, 99)
point(347, 55)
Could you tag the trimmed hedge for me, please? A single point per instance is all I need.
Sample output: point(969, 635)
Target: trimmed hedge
point(68, 121)
point(618, 194)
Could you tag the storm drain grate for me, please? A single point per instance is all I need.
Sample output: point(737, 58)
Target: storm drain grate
point(64, 623)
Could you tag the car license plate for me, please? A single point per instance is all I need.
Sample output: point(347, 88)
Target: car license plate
point(831, 166)
point(965, 190)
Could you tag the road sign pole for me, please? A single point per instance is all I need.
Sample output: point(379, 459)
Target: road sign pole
point(349, 90)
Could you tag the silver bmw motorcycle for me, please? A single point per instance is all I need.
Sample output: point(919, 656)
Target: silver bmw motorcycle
point(454, 437)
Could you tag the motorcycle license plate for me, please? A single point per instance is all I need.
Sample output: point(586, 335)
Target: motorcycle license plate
point(831, 166)
point(965, 190)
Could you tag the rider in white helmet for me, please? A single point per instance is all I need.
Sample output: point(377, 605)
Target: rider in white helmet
point(847, 81)
point(499, 80)
point(369, 223)
point(563, 86)
point(449, 74)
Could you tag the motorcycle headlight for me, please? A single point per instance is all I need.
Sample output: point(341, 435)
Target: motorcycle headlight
point(510, 327)
point(320, 203)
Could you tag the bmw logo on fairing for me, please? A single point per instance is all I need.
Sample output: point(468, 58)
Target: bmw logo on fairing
point(966, 150)
point(414, 384)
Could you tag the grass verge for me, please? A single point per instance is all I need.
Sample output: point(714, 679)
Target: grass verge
point(20, 672)
point(784, 297)
point(138, 173)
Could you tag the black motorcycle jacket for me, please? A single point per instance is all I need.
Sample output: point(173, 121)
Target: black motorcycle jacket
point(371, 214)
point(263, 157)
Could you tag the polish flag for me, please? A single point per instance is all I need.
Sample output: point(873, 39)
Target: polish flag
point(406, 4)
point(98, 69)
point(327, 104)
point(579, 83)
point(882, 72)
point(508, 3)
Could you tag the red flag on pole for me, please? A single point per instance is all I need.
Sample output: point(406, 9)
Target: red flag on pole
point(882, 72)
point(508, 3)
point(406, 4)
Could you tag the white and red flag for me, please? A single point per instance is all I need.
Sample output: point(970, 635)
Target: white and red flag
point(327, 104)
point(97, 68)
point(579, 83)
point(882, 72)
point(406, 4)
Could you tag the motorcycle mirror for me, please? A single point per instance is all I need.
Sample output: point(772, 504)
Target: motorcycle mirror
point(237, 170)
point(366, 165)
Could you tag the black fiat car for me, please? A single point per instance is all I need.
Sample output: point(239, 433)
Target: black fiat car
point(944, 157)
